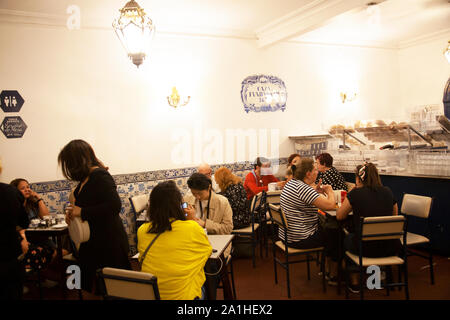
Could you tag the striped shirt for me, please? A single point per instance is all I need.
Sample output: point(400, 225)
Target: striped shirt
point(296, 202)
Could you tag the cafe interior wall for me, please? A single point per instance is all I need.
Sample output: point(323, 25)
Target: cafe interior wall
point(80, 84)
point(424, 71)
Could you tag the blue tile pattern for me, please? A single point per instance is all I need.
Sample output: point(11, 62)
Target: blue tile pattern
point(56, 193)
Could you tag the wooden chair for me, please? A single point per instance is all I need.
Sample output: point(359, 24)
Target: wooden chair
point(279, 219)
point(248, 234)
point(379, 228)
point(420, 207)
point(127, 284)
point(272, 197)
point(138, 204)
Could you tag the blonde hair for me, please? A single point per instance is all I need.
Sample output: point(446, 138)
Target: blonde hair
point(224, 178)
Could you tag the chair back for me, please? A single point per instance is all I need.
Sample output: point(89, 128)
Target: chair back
point(139, 203)
point(127, 284)
point(414, 205)
point(256, 203)
point(382, 228)
point(278, 216)
point(273, 197)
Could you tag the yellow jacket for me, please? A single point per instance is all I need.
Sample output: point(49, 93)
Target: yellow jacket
point(176, 258)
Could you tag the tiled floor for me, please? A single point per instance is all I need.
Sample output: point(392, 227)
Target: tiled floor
point(258, 283)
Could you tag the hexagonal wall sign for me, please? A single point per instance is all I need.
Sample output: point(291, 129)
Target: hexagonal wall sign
point(11, 101)
point(13, 127)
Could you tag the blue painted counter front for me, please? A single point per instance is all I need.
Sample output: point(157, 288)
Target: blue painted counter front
point(439, 189)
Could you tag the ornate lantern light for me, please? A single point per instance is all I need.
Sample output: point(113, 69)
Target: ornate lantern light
point(135, 31)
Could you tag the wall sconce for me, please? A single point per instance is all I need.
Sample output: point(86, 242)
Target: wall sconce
point(447, 52)
point(348, 96)
point(175, 100)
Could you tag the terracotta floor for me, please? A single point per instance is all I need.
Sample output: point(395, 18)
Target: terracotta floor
point(258, 283)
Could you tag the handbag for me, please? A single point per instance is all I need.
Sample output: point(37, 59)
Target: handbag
point(141, 259)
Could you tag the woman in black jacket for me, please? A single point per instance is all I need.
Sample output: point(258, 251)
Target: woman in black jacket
point(95, 200)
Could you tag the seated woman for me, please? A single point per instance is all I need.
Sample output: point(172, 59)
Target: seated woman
point(368, 199)
point(299, 202)
point(36, 209)
point(294, 159)
point(289, 174)
point(259, 178)
point(233, 189)
point(34, 205)
point(210, 210)
point(328, 174)
point(177, 257)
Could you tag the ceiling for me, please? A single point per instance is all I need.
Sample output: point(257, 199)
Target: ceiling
point(389, 24)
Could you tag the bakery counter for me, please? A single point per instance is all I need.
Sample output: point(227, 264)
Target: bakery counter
point(405, 174)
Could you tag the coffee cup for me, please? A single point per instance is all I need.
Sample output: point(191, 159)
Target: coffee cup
point(272, 186)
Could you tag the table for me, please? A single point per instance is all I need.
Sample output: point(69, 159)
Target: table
point(57, 233)
point(219, 243)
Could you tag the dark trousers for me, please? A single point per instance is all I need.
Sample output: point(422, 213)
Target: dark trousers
point(327, 238)
point(12, 275)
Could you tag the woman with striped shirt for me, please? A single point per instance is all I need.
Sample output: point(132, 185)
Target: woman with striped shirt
point(299, 202)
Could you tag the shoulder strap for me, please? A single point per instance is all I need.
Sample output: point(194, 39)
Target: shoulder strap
point(146, 250)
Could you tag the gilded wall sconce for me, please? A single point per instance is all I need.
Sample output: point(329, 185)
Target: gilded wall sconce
point(175, 100)
point(348, 96)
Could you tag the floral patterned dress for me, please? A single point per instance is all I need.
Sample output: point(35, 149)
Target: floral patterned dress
point(237, 197)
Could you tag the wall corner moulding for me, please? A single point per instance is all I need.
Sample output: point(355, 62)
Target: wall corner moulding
point(263, 93)
point(314, 14)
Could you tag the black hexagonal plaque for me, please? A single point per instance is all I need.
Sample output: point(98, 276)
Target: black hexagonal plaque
point(11, 101)
point(13, 127)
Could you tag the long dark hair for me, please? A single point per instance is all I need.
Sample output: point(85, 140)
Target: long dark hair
point(368, 174)
point(76, 160)
point(165, 203)
point(29, 205)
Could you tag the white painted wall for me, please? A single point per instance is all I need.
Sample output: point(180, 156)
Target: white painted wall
point(424, 71)
point(80, 84)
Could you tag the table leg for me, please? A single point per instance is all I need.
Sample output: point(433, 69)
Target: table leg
point(212, 280)
point(60, 264)
point(339, 267)
point(227, 290)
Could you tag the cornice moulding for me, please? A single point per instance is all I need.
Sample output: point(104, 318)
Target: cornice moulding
point(60, 21)
point(424, 38)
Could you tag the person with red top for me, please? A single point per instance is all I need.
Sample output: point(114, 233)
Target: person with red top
point(258, 179)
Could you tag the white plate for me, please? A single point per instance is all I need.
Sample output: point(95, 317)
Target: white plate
point(60, 225)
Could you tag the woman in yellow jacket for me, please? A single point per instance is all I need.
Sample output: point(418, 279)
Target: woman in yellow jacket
point(177, 257)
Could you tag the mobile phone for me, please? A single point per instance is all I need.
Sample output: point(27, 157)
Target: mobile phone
point(184, 205)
